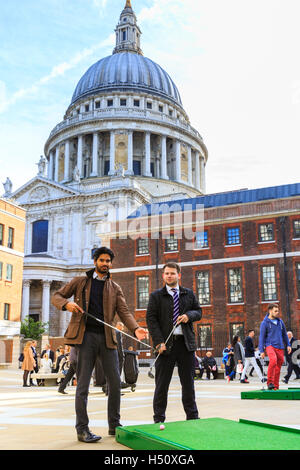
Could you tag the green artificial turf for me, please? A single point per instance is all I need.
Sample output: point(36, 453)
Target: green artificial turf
point(287, 394)
point(209, 434)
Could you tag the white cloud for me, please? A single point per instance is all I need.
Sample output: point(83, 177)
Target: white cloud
point(57, 70)
point(100, 4)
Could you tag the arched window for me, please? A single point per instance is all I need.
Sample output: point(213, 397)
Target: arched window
point(40, 236)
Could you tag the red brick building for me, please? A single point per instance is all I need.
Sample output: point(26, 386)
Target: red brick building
point(246, 255)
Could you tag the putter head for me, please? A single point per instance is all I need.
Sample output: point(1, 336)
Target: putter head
point(150, 374)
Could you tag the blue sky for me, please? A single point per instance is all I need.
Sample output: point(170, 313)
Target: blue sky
point(235, 63)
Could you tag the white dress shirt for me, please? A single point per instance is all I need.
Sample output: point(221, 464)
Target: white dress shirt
point(178, 330)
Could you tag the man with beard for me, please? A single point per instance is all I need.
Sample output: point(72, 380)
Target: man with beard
point(98, 295)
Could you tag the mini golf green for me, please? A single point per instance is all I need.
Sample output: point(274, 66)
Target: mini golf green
point(209, 434)
point(287, 394)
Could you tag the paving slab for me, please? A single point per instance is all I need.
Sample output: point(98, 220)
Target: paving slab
point(39, 418)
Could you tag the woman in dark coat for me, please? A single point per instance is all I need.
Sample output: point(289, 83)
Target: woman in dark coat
point(239, 351)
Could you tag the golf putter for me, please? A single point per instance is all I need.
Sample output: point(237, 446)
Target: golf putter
point(116, 329)
point(150, 373)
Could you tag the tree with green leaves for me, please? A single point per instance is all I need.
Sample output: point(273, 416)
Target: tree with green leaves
point(33, 329)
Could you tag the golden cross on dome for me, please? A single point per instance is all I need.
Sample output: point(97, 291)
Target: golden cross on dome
point(128, 4)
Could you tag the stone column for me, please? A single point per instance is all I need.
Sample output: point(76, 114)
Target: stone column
point(28, 239)
point(79, 155)
point(178, 161)
point(56, 164)
point(67, 161)
point(95, 155)
point(100, 159)
point(197, 170)
point(129, 170)
point(46, 301)
point(50, 165)
point(50, 234)
point(25, 298)
point(147, 170)
point(112, 154)
point(190, 166)
point(76, 236)
point(202, 174)
point(66, 241)
point(164, 170)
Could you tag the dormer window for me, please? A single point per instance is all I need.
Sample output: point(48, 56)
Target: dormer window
point(97, 104)
point(136, 103)
point(149, 105)
point(124, 35)
point(110, 103)
point(123, 102)
point(160, 108)
point(87, 108)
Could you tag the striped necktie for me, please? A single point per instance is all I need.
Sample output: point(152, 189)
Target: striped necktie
point(176, 305)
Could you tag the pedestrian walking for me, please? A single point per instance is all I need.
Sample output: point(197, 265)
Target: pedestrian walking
point(35, 357)
point(291, 358)
point(239, 354)
point(70, 373)
point(250, 358)
point(272, 341)
point(228, 361)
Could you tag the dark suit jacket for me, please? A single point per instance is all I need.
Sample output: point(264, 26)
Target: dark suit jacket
point(160, 316)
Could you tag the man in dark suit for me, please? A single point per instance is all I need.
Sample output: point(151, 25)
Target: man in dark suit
point(48, 351)
point(35, 356)
point(167, 307)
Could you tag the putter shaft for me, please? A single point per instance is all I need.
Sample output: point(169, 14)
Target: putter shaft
point(150, 370)
point(116, 329)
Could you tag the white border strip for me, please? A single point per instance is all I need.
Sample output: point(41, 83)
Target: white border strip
point(11, 252)
point(237, 259)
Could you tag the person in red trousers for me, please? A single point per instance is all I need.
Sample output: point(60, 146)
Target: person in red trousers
point(272, 341)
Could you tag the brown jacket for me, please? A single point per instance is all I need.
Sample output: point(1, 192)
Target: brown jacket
point(28, 361)
point(113, 303)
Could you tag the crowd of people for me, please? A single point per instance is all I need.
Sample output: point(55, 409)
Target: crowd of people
point(64, 361)
point(47, 362)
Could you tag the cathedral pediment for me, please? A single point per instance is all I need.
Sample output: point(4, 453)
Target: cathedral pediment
point(40, 189)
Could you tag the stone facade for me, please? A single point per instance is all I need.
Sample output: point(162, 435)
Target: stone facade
point(12, 231)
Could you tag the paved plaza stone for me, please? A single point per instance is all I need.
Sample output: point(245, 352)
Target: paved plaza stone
point(39, 418)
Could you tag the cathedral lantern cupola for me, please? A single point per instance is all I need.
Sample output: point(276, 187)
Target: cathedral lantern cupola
point(128, 34)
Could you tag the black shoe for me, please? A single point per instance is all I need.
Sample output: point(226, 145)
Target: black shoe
point(62, 392)
point(244, 381)
point(271, 387)
point(88, 436)
point(285, 381)
point(264, 379)
point(112, 430)
point(25, 385)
